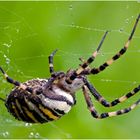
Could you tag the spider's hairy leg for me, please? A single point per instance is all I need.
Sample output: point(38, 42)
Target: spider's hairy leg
point(51, 61)
point(91, 58)
point(87, 62)
point(118, 55)
point(16, 83)
point(82, 60)
point(103, 101)
point(95, 114)
point(10, 80)
point(2, 99)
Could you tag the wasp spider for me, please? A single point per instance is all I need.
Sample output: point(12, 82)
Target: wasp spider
point(44, 100)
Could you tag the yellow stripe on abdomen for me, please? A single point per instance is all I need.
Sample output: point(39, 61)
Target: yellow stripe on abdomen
point(48, 112)
point(16, 112)
point(30, 114)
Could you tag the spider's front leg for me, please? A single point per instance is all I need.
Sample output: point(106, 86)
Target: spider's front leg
point(86, 63)
point(116, 56)
point(107, 114)
point(51, 62)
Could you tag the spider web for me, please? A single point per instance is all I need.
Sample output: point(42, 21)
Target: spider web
point(17, 25)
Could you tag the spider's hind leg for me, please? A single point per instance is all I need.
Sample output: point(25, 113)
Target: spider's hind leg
point(10, 80)
point(16, 83)
point(2, 99)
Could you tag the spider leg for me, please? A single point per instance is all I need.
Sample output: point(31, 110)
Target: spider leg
point(103, 101)
point(16, 83)
point(2, 99)
point(87, 62)
point(95, 114)
point(91, 58)
point(118, 55)
point(82, 60)
point(51, 62)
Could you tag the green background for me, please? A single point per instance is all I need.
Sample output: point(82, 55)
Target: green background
point(30, 31)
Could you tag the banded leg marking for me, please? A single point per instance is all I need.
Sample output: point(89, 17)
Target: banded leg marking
point(103, 101)
point(10, 80)
point(95, 114)
point(88, 62)
point(91, 59)
point(16, 83)
point(51, 68)
point(118, 55)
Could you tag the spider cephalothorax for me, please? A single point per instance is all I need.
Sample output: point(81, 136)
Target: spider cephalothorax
point(44, 100)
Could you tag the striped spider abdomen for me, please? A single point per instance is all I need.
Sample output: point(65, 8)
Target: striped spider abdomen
point(43, 105)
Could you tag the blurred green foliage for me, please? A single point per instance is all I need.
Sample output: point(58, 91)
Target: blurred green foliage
point(30, 31)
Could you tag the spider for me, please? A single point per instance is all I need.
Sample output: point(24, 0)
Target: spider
point(44, 100)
